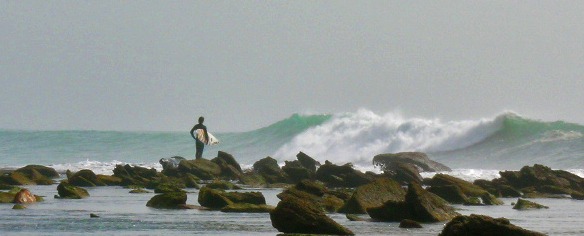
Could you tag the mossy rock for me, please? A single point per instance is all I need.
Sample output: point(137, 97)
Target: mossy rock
point(109, 180)
point(202, 168)
point(312, 187)
point(168, 187)
point(69, 191)
point(85, 178)
point(269, 169)
point(450, 193)
point(230, 169)
point(139, 190)
point(16, 178)
point(171, 200)
point(253, 179)
point(469, 189)
point(409, 224)
point(6, 197)
point(373, 194)
point(19, 207)
point(523, 204)
point(191, 181)
point(577, 196)
point(297, 216)
point(221, 184)
point(43, 170)
point(213, 198)
point(331, 203)
point(483, 225)
point(473, 201)
point(247, 208)
point(341, 176)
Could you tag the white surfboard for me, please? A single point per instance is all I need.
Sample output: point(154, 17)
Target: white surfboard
point(201, 137)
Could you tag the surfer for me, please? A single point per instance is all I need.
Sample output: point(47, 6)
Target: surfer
point(200, 143)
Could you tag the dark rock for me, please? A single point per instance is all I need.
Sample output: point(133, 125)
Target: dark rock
point(46, 172)
point(92, 215)
point(419, 159)
point(307, 162)
point(18, 207)
point(341, 176)
point(353, 217)
point(139, 190)
point(481, 225)
point(298, 216)
point(419, 205)
point(253, 179)
point(109, 180)
point(469, 189)
point(170, 165)
point(85, 178)
point(69, 191)
point(296, 172)
point(450, 193)
point(217, 199)
point(201, 168)
point(373, 194)
point(171, 200)
point(15, 178)
point(497, 188)
point(269, 169)
point(312, 187)
point(168, 187)
point(577, 195)
point(24, 196)
point(134, 175)
point(542, 181)
point(230, 169)
point(405, 173)
point(523, 204)
point(247, 208)
point(408, 224)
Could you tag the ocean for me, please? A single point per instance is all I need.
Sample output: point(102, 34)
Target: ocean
point(472, 148)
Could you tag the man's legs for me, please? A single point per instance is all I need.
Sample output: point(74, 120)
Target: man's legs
point(200, 146)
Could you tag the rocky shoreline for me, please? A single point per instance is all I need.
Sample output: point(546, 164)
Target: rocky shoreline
point(311, 190)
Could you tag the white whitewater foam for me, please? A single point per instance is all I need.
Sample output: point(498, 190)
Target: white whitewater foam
point(357, 137)
point(104, 168)
point(467, 174)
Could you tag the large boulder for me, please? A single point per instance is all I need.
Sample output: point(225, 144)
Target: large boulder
point(542, 181)
point(307, 162)
point(169, 200)
point(298, 216)
point(470, 190)
point(315, 193)
point(498, 188)
point(405, 173)
point(296, 171)
point(39, 174)
point(70, 191)
point(481, 225)
point(15, 178)
point(373, 194)
point(341, 176)
point(269, 169)
point(419, 205)
point(420, 160)
point(201, 168)
point(134, 175)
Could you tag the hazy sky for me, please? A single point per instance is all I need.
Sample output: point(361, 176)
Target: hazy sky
point(145, 65)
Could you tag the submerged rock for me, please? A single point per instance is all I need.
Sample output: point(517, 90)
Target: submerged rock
point(523, 204)
point(297, 216)
point(483, 225)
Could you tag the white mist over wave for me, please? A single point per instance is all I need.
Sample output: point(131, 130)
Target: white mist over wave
point(357, 137)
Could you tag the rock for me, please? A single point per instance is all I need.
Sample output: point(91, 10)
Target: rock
point(18, 207)
point(352, 217)
point(307, 161)
point(483, 225)
point(269, 169)
point(168, 187)
point(92, 215)
point(296, 172)
point(312, 187)
point(405, 173)
point(134, 175)
point(408, 224)
point(298, 216)
point(15, 178)
point(223, 185)
point(24, 196)
point(39, 174)
point(450, 193)
point(6, 197)
point(469, 189)
point(542, 181)
point(69, 191)
point(577, 196)
point(419, 159)
point(85, 178)
point(253, 179)
point(247, 208)
point(331, 203)
point(523, 204)
point(230, 169)
point(109, 180)
point(419, 205)
point(373, 194)
point(201, 168)
point(170, 200)
point(217, 199)
point(341, 176)
point(497, 188)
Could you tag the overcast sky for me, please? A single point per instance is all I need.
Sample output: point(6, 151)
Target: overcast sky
point(145, 65)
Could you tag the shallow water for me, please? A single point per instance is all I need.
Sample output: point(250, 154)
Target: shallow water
point(122, 213)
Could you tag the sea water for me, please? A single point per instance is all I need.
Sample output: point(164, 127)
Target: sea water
point(475, 149)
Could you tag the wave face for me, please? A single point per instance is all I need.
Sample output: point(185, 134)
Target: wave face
point(507, 141)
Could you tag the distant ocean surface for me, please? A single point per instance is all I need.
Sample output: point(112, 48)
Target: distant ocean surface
point(473, 148)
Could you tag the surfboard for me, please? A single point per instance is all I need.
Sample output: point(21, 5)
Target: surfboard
point(201, 137)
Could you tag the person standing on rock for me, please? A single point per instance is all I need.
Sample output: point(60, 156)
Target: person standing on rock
point(201, 141)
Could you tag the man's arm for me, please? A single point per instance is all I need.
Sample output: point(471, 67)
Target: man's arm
point(193, 130)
